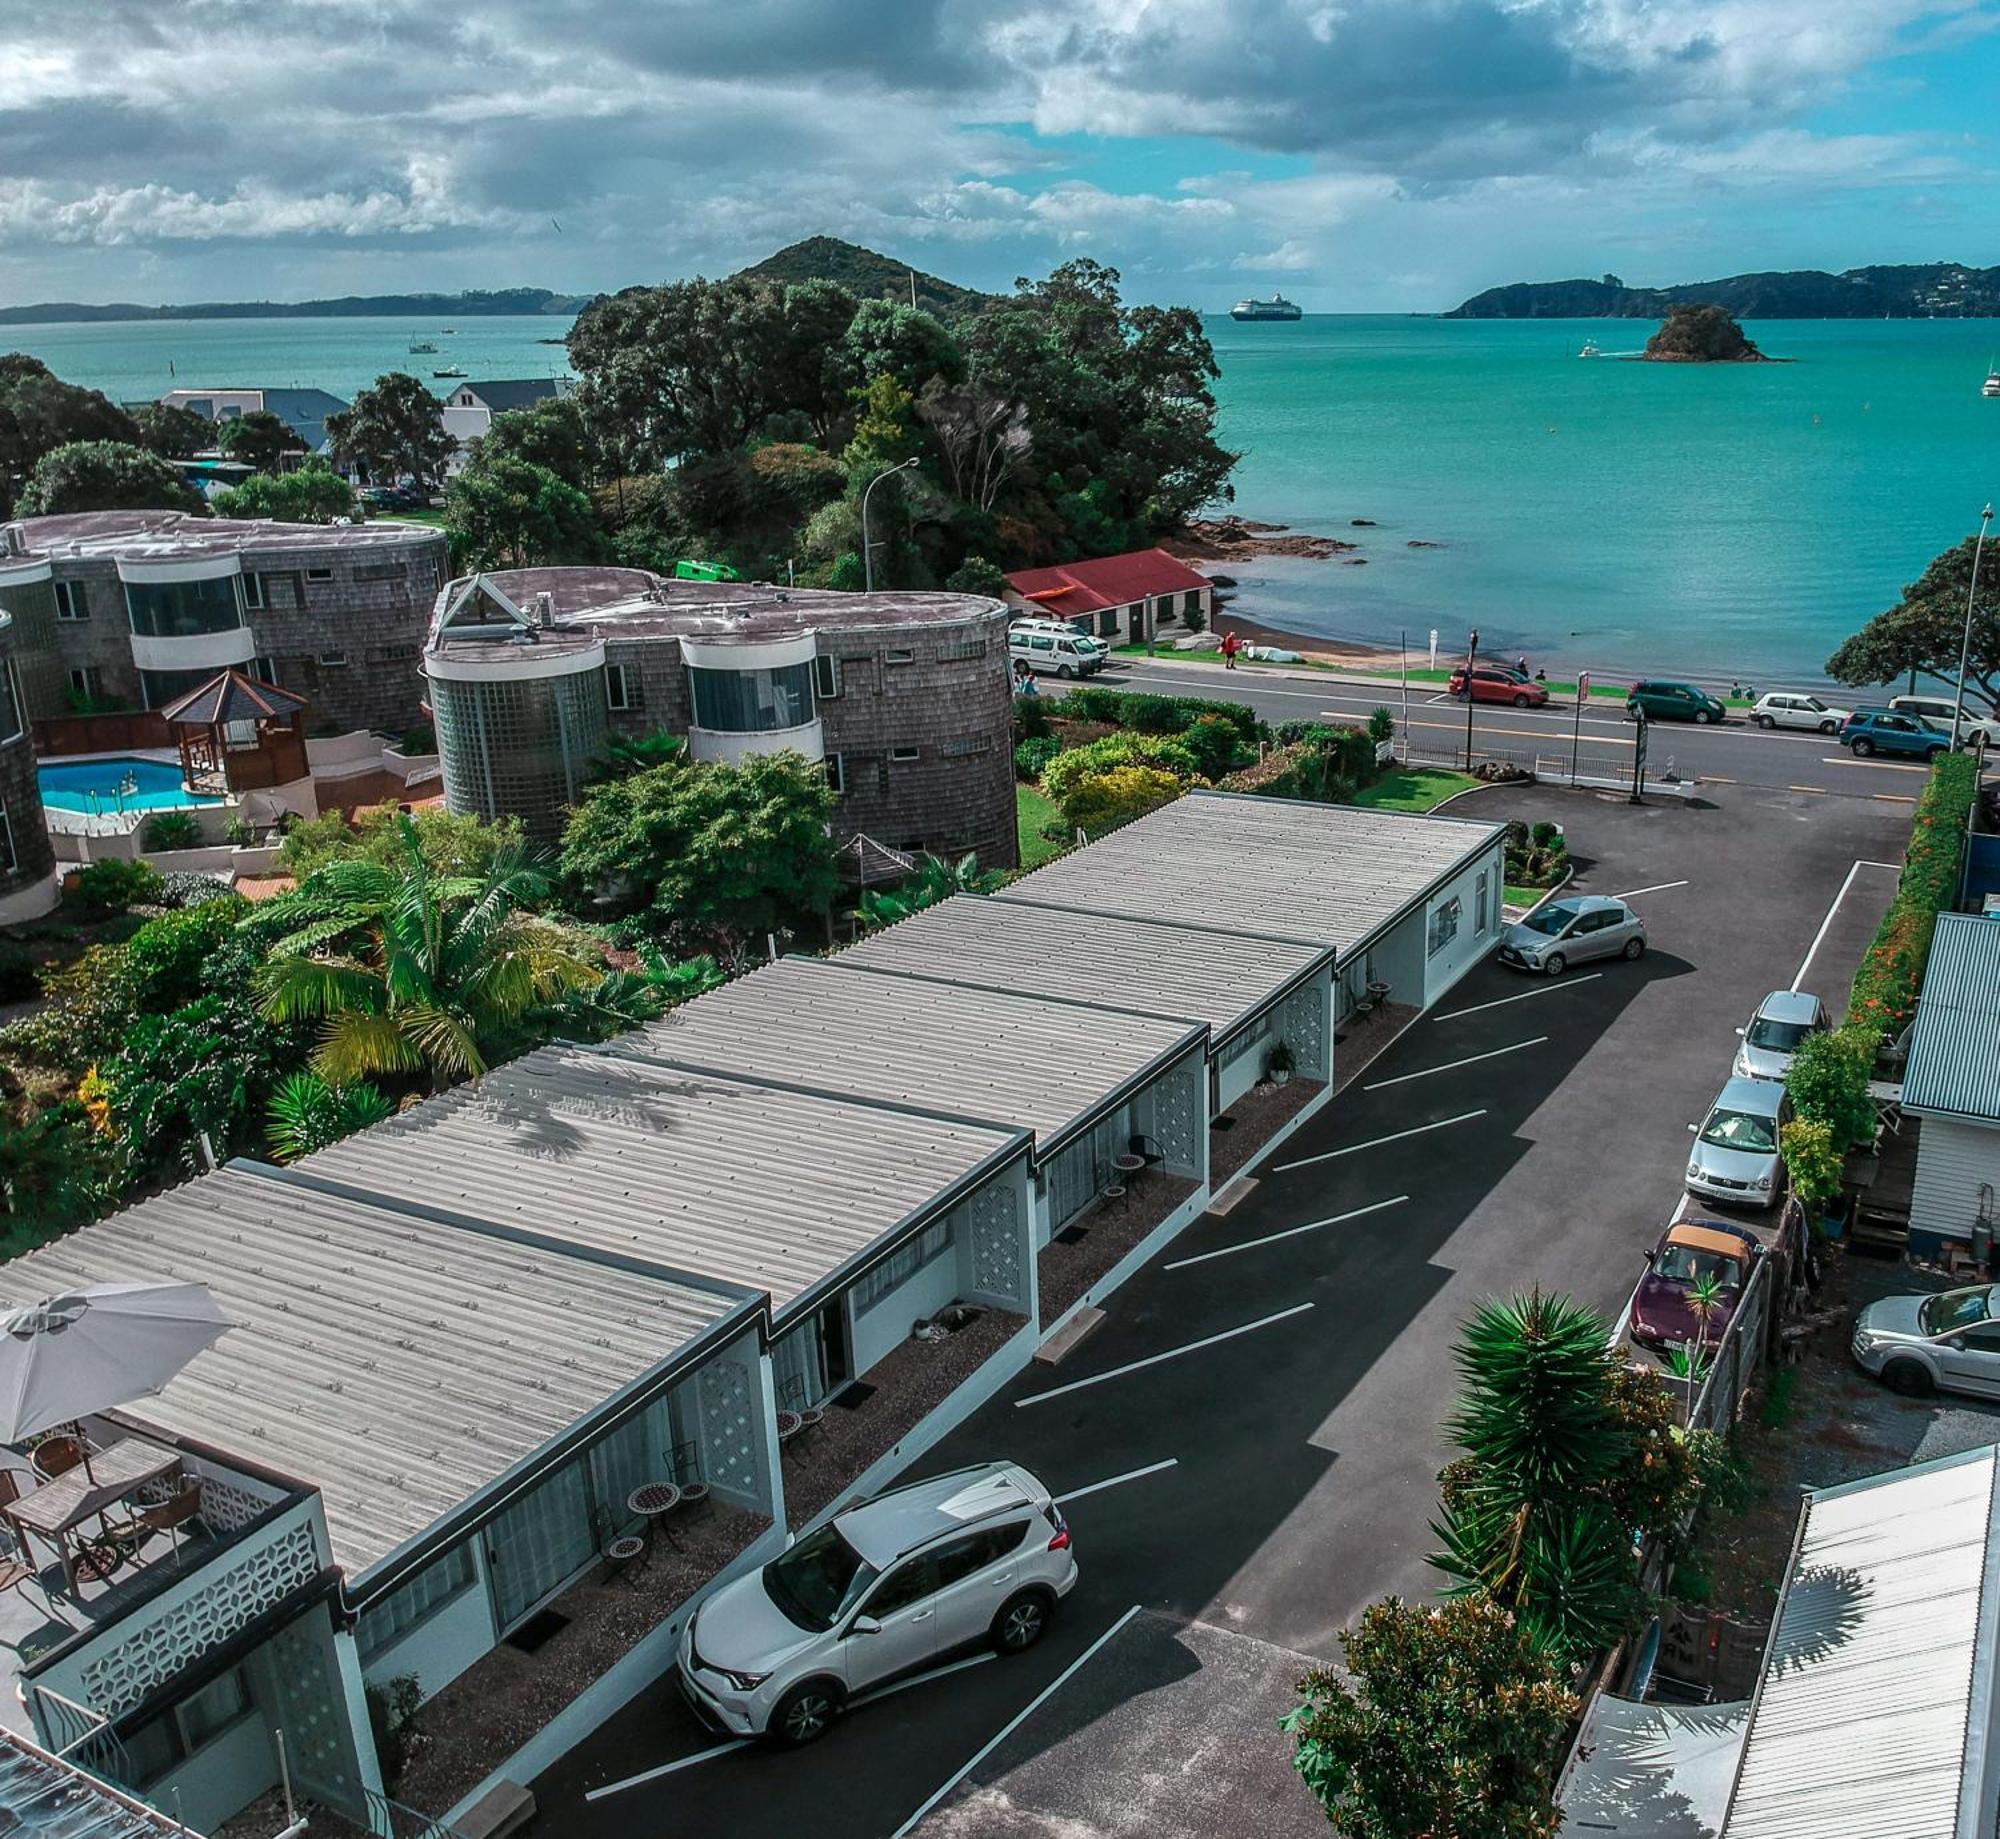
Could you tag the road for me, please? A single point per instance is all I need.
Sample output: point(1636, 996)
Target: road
point(1250, 1440)
point(1733, 753)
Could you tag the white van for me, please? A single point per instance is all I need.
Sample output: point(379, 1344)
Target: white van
point(1973, 725)
point(1054, 646)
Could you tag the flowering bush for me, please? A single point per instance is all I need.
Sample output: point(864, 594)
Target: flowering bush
point(1885, 988)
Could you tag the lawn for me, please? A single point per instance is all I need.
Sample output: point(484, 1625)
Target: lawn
point(1414, 788)
point(1033, 811)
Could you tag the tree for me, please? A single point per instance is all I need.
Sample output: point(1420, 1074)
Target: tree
point(980, 434)
point(105, 476)
point(314, 494)
point(259, 439)
point(552, 434)
point(307, 1114)
point(708, 853)
point(409, 971)
point(394, 430)
point(888, 337)
point(883, 435)
point(504, 512)
point(451, 845)
point(39, 413)
point(977, 575)
point(1451, 1728)
point(174, 433)
point(1525, 1519)
point(1922, 631)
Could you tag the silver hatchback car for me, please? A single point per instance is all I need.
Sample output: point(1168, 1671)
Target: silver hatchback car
point(1573, 930)
point(885, 1589)
point(1784, 1022)
point(1949, 1342)
point(1735, 1156)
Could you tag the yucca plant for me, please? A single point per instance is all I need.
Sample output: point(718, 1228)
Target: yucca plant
point(410, 971)
point(307, 1114)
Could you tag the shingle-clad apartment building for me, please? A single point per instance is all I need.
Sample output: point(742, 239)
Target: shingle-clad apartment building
point(135, 608)
point(905, 696)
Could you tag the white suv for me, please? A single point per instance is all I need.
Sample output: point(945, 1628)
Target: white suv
point(886, 1588)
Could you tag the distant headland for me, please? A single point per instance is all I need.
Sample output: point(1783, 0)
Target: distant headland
point(1934, 290)
point(508, 301)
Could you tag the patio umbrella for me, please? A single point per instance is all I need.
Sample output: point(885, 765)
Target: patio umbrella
point(93, 1348)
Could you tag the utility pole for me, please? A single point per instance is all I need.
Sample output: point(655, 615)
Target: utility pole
point(1576, 732)
point(1965, 642)
point(867, 546)
point(1471, 658)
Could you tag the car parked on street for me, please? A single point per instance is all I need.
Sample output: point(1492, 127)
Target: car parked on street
point(884, 1589)
point(1573, 930)
point(1667, 700)
point(1972, 725)
point(1783, 1022)
point(1689, 1254)
point(1884, 731)
point(1946, 1342)
point(1499, 683)
point(1735, 1157)
point(1793, 709)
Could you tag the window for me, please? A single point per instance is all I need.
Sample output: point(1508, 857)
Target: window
point(905, 756)
point(165, 1742)
point(1107, 623)
point(826, 678)
point(962, 650)
point(1444, 924)
point(752, 701)
point(333, 660)
point(407, 1605)
point(184, 609)
point(1041, 644)
point(1192, 603)
point(9, 862)
point(214, 1708)
point(976, 1551)
point(900, 1266)
point(70, 601)
point(253, 592)
point(10, 703)
point(904, 1587)
point(319, 574)
point(87, 682)
point(1245, 1042)
point(377, 571)
point(621, 686)
point(393, 654)
point(967, 744)
point(1479, 924)
point(265, 670)
point(836, 773)
point(899, 657)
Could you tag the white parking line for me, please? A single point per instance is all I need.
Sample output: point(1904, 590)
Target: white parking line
point(1015, 1722)
point(1819, 938)
point(1658, 887)
point(668, 1768)
point(1395, 1136)
point(1290, 1232)
point(1172, 1353)
point(1115, 1481)
point(1542, 989)
point(1451, 1066)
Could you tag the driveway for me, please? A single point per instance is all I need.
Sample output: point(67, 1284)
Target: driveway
point(1250, 1441)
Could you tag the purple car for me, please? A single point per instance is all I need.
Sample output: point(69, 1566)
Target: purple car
point(1662, 1315)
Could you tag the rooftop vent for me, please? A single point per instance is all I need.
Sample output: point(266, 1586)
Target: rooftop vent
point(545, 608)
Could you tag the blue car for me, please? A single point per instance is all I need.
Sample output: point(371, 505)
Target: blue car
point(1885, 731)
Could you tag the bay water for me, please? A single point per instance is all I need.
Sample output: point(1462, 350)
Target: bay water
point(1724, 519)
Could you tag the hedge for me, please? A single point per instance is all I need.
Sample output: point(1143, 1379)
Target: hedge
point(1159, 714)
point(1164, 753)
point(1886, 986)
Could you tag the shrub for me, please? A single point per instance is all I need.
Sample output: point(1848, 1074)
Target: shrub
point(1217, 747)
point(173, 830)
point(1161, 753)
point(1097, 802)
point(420, 740)
point(20, 974)
point(1885, 989)
point(1160, 714)
point(1194, 618)
point(113, 885)
point(1828, 1084)
point(1381, 726)
point(1031, 715)
point(1314, 760)
point(1813, 1162)
point(236, 831)
point(1032, 756)
point(184, 888)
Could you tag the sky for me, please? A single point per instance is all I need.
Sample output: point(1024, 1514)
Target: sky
point(1361, 155)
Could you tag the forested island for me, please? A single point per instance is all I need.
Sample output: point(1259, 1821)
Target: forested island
point(1934, 290)
point(476, 304)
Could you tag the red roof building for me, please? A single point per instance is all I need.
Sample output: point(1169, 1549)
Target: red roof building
point(1124, 598)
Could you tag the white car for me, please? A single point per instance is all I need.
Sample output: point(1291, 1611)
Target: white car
point(1792, 709)
point(887, 1588)
point(1975, 724)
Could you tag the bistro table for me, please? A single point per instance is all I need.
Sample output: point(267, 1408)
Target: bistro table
point(57, 1507)
point(653, 1501)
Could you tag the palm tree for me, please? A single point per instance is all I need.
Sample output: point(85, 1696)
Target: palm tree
point(1704, 1298)
point(411, 971)
point(307, 1114)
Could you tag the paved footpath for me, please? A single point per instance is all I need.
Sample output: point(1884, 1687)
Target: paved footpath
point(1250, 1442)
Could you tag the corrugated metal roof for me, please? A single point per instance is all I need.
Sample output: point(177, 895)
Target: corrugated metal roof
point(999, 1057)
point(1150, 965)
point(1871, 1714)
point(738, 1183)
point(1954, 1063)
point(396, 1364)
point(1326, 874)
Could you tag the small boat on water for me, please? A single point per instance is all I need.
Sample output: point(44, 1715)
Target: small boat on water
point(1277, 307)
point(1991, 387)
point(450, 370)
point(1590, 349)
point(421, 346)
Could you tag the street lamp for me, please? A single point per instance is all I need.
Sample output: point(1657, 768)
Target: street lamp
point(1965, 642)
point(867, 547)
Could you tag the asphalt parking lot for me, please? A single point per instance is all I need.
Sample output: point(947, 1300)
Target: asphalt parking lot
point(1251, 1438)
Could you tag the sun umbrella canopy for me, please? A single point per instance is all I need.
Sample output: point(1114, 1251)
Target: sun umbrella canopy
point(97, 1347)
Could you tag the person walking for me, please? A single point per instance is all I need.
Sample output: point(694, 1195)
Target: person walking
point(1232, 643)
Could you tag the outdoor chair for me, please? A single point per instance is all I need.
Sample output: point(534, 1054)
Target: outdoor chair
point(622, 1554)
point(792, 1395)
point(1147, 1149)
point(179, 1509)
point(684, 1465)
point(17, 1574)
point(56, 1455)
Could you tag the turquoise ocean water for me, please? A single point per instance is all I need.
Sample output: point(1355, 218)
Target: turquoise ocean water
point(1718, 518)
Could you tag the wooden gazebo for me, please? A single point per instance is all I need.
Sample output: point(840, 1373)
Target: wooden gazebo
point(238, 735)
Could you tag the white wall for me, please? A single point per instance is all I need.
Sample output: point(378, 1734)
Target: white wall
point(887, 1326)
point(1954, 1161)
point(1478, 926)
point(440, 1647)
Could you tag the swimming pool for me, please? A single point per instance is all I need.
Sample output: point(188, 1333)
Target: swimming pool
point(123, 782)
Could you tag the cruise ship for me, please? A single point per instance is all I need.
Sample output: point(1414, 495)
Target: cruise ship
point(1277, 307)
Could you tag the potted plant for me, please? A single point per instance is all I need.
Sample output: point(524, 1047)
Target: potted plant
point(1279, 1064)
